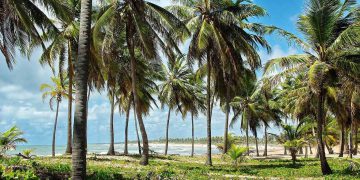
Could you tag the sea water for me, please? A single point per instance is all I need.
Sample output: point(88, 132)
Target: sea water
point(180, 149)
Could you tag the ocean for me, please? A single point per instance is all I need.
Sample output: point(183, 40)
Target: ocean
point(180, 149)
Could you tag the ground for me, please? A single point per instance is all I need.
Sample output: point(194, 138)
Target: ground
point(185, 167)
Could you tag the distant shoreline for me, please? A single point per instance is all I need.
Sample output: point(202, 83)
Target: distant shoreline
point(203, 140)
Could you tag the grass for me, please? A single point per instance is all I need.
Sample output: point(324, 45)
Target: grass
point(182, 167)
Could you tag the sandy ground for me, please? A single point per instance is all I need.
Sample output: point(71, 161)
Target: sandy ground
point(274, 151)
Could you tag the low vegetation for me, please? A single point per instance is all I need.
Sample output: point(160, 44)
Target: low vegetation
point(175, 167)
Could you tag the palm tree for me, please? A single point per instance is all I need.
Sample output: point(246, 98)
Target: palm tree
point(124, 101)
point(20, 22)
point(144, 24)
point(243, 106)
point(194, 104)
point(338, 102)
point(112, 109)
point(211, 39)
point(10, 138)
point(56, 93)
point(81, 81)
point(272, 109)
point(236, 152)
point(176, 89)
point(63, 47)
point(224, 39)
point(293, 138)
point(331, 30)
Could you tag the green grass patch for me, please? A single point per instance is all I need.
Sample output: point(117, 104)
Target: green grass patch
point(177, 167)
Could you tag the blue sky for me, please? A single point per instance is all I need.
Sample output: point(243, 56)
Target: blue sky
point(21, 103)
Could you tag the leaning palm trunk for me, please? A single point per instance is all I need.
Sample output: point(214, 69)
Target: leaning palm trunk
point(352, 113)
point(145, 154)
point(81, 80)
point(126, 128)
point(227, 109)
point(247, 139)
point(55, 124)
point(208, 111)
point(266, 141)
point(70, 74)
point(342, 140)
point(330, 150)
point(111, 147)
point(167, 132)
point(192, 134)
point(325, 168)
point(137, 132)
point(355, 138)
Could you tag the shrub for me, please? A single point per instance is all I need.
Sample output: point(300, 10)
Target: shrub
point(27, 152)
point(237, 153)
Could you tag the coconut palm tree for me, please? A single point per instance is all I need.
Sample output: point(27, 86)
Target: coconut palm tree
point(63, 46)
point(272, 109)
point(56, 92)
point(331, 29)
point(22, 24)
point(147, 27)
point(211, 39)
point(10, 138)
point(81, 81)
point(194, 104)
point(224, 39)
point(124, 102)
point(292, 138)
point(175, 89)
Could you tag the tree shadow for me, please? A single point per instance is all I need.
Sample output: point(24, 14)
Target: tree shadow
point(254, 169)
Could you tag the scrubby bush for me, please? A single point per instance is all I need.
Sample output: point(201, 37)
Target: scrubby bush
point(237, 154)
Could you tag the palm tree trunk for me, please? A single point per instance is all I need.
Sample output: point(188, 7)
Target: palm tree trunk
point(208, 105)
point(328, 148)
point(212, 103)
point(112, 148)
point(356, 138)
point(167, 132)
point(310, 149)
point(342, 140)
point(317, 152)
point(352, 113)
point(137, 132)
point(285, 150)
point(54, 131)
point(227, 109)
point(301, 151)
point(247, 139)
point(145, 155)
point(266, 141)
point(325, 168)
point(70, 75)
point(293, 155)
point(306, 152)
point(257, 145)
point(81, 80)
point(192, 134)
point(127, 128)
